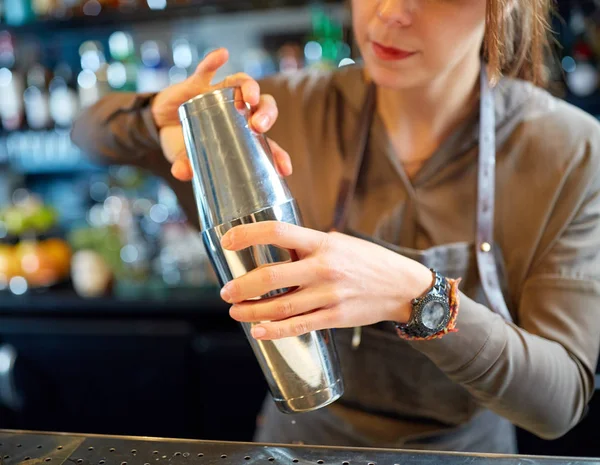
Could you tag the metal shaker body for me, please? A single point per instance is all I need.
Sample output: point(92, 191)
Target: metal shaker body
point(235, 182)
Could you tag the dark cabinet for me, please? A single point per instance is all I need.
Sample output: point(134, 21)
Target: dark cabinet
point(192, 377)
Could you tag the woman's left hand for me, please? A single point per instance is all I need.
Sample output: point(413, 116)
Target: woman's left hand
point(341, 282)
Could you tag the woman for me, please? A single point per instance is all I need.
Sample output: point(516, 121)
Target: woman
point(422, 112)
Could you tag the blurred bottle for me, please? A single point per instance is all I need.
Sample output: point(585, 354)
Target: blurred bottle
point(36, 97)
point(122, 71)
point(583, 78)
point(581, 65)
point(64, 102)
point(18, 12)
point(290, 58)
point(129, 5)
point(153, 74)
point(185, 56)
point(92, 81)
point(326, 46)
point(11, 85)
point(156, 4)
point(135, 253)
point(64, 9)
point(96, 7)
point(43, 9)
point(90, 274)
point(110, 4)
point(258, 63)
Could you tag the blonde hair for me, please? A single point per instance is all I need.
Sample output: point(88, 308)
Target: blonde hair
point(517, 38)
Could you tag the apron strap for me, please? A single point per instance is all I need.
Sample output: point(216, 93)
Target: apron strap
point(486, 262)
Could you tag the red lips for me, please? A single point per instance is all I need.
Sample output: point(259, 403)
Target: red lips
point(389, 53)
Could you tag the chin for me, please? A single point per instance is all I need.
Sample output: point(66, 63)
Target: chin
point(393, 77)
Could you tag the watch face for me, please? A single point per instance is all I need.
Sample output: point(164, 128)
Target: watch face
point(433, 314)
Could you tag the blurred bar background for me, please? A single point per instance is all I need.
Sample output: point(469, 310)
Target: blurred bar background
point(110, 319)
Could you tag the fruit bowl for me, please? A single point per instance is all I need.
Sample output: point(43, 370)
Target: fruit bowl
point(32, 254)
point(41, 263)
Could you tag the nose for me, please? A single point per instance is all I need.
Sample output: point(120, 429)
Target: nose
point(396, 12)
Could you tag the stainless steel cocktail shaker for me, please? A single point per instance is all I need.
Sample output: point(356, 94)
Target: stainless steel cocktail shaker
point(235, 182)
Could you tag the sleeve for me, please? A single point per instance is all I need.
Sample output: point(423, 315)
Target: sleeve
point(540, 374)
point(119, 129)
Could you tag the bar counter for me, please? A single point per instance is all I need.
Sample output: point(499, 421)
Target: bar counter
point(29, 447)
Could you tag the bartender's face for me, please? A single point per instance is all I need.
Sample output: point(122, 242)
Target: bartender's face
point(407, 43)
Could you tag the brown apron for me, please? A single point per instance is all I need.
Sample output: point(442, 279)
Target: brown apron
point(394, 395)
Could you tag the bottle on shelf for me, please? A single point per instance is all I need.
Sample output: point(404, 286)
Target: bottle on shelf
point(36, 97)
point(153, 73)
point(185, 56)
point(43, 9)
point(128, 5)
point(11, 85)
point(64, 101)
point(92, 81)
point(582, 76)
point(156, 4)
point(258, 63)
point(326, 47)
point(18, 12)
point(122, 71)
point(65, 9)
point(290, 58)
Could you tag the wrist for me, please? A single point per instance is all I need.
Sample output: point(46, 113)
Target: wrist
point(420, 279)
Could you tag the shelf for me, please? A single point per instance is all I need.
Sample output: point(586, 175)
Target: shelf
point(43, 152)
point(204, 301)
point(123, 18)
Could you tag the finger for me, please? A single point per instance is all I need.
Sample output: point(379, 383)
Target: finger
point(249, 87)
point(282, 307)
point(207, 68)
point(262, 280)
point(265, 114)
point(320, 319)
point(277, 233)
point(182, 169)
point(283, 161)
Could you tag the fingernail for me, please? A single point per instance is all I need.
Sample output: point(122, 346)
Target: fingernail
point(263, 121)
point(258, 331)
point(233, 311)
point(225, 294)
point(226, 241)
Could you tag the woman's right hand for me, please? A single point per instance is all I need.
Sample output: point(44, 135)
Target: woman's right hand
point(166, 104)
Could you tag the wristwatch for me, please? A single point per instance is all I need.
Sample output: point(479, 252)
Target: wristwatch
point(430, 312)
